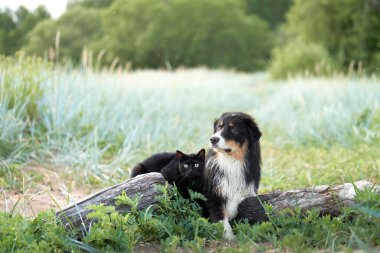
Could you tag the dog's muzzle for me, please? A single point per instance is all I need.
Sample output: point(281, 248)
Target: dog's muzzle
point(217, 142)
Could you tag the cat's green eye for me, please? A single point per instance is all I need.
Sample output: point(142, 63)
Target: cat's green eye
point(185, 165)
point(196, 165)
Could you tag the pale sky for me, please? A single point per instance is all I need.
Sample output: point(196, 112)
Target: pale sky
point(55, 7)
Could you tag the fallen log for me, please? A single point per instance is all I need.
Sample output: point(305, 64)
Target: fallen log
point(75, 214)
point(325, 199)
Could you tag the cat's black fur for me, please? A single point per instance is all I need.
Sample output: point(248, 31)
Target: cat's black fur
point(184, 170)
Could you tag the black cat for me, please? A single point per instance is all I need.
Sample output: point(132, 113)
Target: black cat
point(185, 170)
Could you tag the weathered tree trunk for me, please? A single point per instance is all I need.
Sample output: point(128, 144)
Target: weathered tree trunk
point(326, 199)
point(143, 185)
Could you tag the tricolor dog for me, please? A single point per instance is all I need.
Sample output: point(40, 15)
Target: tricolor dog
point(233, 166)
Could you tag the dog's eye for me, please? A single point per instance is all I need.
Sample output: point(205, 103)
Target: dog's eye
point(196, 165)
point(185, 165)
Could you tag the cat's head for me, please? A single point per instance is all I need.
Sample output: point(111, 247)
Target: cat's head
point(191, 165)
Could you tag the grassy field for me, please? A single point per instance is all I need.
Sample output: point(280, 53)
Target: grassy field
point(88, 129)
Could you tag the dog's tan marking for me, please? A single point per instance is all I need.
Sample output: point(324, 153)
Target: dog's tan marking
point(231, 124)
point(238, 152)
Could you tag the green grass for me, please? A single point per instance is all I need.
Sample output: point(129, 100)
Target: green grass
point(177, 224)
point(96, 126)
point(296, 167)
point(102, 124)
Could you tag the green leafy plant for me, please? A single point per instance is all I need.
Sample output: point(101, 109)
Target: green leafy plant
point(39, 234)
point(176, 222)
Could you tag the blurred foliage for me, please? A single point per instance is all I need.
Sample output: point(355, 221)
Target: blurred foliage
point(6, 27)
point(11, 176)
point(300, 58)
point(20, 85)
point(89, 3)
point(272, 11)
point(15, 26)
point(67, 36)
point(216, 33)
point(347, 29)
point(212, 33)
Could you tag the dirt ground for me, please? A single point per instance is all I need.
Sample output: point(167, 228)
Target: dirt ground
point(51, 191)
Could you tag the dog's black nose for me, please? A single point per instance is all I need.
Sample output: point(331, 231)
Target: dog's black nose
point(214, 140)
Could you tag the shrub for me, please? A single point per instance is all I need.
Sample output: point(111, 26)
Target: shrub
point(66, 37)
point(41, 234)
point(347, 29)
point(186, 33)
point(300, 58)
point(376, 63)
point(177, 222)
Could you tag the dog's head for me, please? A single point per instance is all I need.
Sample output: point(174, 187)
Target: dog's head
point(233, 132)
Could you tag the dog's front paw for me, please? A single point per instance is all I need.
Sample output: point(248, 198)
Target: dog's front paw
point(228, 235)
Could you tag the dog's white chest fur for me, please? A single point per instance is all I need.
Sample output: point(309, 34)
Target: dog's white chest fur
point(232, 185)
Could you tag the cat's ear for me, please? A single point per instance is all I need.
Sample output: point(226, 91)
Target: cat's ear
point(202, 154)
point(180, 155)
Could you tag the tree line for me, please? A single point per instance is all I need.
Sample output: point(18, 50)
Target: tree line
point(287, 36)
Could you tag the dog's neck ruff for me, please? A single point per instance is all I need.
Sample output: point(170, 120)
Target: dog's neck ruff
point(230, 182)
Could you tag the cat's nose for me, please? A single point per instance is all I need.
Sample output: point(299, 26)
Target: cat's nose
point(214, 140)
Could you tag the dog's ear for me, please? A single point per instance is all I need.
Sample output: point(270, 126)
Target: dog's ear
point(180, 155)
point(253, 129)
point(255, 132)
point(202, 154)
